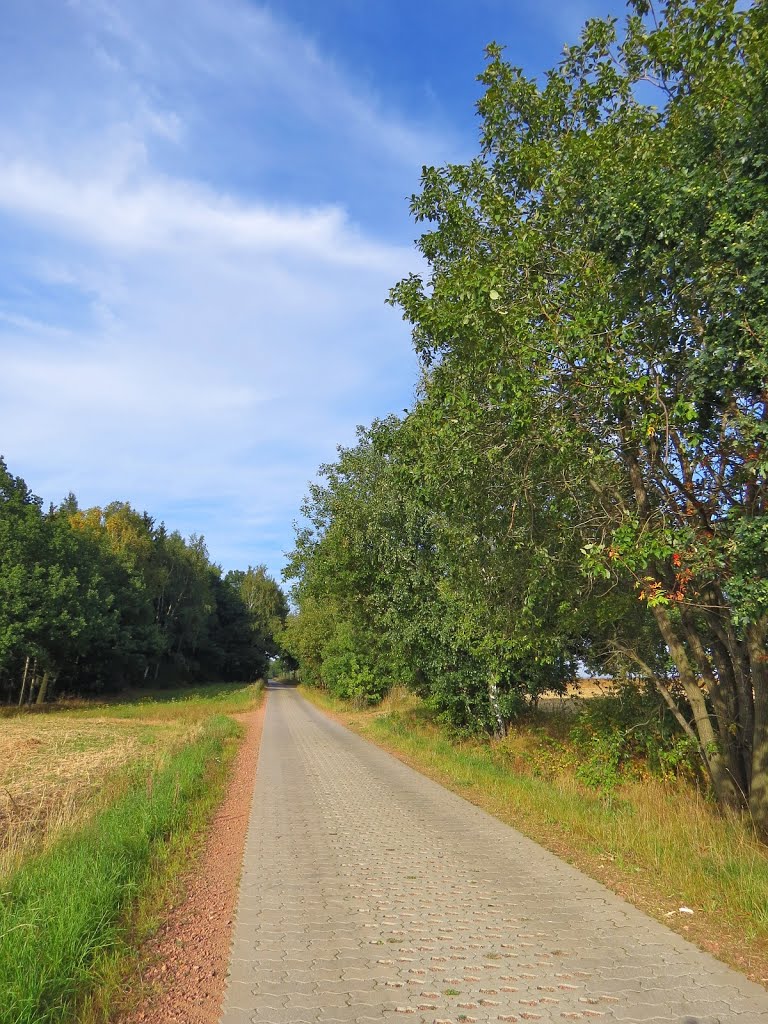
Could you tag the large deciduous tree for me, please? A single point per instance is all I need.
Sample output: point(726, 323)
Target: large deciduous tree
point(263, 600)
point(343, 572)
point(598, 290)
point(410, 571)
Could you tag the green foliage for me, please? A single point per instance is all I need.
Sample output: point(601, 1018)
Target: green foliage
point(606, 755)
point(305, 635)
point(593, 332)
point(635, 711)
point(264, 602)
point(251, 613)
point(631, 730)
point(390, 590)
point(97, 599)
point(582, 477)
point(346, 674)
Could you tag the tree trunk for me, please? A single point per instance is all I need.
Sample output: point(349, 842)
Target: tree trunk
point(24, 681)
point(726, 790)
point(43, 691)
point(493, 697)
point(723, 703)
point(741, 741)
point(758, 660)
point(733, 650)
point(32, 680)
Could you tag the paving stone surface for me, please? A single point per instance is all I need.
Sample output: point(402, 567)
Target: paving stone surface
point(370, 893)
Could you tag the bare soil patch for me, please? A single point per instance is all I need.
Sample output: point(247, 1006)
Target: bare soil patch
point(182, 970)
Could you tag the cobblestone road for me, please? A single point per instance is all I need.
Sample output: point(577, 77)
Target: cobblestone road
point(370, 893)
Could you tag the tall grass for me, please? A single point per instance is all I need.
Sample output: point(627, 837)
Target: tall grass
point(67, 910)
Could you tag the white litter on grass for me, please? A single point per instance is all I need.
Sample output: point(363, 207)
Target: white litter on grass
point(685, 910)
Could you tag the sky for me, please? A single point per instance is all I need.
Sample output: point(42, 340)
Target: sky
point(203, 205)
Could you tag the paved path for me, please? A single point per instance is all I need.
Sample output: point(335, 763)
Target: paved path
point(370, 893)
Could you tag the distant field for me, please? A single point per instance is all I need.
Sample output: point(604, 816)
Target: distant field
point(583, 689)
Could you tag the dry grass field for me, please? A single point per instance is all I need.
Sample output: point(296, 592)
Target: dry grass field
point(58, 769)
point(101, 805)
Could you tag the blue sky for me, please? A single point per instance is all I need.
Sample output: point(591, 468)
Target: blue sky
point(203, 205)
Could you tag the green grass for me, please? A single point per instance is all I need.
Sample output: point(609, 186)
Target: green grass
point(183, 703)
point(65, 914)
point(658, 842)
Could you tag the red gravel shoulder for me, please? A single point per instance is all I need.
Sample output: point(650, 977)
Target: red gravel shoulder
point(184, 966)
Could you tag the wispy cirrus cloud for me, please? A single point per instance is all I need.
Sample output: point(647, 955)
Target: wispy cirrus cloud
point(153, 211)
point(207, 45)
point(191, 289)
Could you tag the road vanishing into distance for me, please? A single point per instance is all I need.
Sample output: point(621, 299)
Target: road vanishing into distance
point(370, 893)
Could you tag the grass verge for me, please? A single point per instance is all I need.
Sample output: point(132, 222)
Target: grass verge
point(657, 843)
point(67, 914)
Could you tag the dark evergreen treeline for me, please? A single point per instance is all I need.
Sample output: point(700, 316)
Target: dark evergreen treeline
point(93, 600)
point(584, 474)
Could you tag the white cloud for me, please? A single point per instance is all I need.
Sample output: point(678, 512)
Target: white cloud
point(181, 341)
point(270, 59)
point(162, 212)
point(212, 361)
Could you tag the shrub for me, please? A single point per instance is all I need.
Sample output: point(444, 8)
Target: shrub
point(628, 733)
